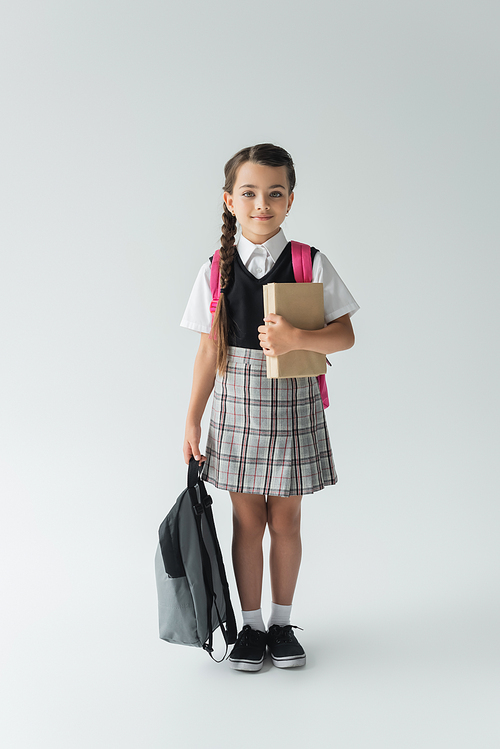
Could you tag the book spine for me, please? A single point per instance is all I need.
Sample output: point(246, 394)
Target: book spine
point(272, 364)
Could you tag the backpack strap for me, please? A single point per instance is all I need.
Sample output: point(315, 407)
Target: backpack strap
point(229, 631)
point(302, 271)
point(215, 282)
point(206, 564)
point(302, 262)
point(201, 504)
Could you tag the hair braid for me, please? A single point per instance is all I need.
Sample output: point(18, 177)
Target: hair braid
point(220, 328)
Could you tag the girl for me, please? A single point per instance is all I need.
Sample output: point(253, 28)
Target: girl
point(268, 442)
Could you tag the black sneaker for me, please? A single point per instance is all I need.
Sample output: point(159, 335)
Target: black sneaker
point(285, 649)
point(249, 650)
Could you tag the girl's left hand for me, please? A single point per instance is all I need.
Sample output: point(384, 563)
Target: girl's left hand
point(278, 336)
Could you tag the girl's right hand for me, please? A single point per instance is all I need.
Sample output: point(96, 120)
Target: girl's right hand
point(191, 447)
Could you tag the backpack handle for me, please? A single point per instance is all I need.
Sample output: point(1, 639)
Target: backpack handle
point(193, 473)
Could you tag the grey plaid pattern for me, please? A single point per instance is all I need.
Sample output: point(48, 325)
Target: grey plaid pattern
point(267, 436)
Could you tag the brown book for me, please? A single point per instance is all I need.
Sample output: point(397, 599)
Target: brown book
point(301, 304)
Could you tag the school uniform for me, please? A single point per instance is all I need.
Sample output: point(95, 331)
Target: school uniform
point(266, 436)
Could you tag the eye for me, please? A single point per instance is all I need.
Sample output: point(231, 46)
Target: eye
point(277, 194)
point(247, 194)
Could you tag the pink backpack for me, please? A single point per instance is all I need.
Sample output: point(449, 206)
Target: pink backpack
point(302, 271)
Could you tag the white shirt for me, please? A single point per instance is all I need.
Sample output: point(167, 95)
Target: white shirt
point(259, 259)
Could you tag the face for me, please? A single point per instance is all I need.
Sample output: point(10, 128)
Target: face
point(260, 200)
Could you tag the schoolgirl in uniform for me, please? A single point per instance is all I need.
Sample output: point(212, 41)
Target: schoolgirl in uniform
point(268, 442)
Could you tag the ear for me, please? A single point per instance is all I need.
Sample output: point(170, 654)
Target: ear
point(228, 200)
point(290, 201)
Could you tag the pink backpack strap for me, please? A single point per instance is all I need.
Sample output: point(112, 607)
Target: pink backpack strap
point(215, 283)
point(302, 272)
point(323, 389)
point(302, 262)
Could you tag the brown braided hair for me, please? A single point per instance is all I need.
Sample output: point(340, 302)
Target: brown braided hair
point(265, 154)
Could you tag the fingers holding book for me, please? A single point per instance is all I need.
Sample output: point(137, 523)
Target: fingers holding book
point(277, 337)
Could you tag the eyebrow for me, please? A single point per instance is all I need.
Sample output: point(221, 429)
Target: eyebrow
point(270, 188)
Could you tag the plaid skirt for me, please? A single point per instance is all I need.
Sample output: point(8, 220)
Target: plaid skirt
point(266, 436)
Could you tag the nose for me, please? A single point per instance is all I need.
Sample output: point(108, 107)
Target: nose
point(262, 203)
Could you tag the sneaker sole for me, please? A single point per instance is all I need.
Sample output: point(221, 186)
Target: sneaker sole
point(299, 660)
point(246, 665)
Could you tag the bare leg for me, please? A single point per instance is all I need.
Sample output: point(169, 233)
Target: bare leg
point(283, 514)
point(249, 524)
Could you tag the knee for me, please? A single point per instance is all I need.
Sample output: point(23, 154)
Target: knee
point(284, 524)
point(251, 524)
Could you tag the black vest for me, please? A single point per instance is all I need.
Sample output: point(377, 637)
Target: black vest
point(244, 297)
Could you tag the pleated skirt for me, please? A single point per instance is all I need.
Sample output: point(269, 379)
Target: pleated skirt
point(267, 436)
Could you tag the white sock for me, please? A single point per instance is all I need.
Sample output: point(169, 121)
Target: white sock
point(254, 619)
point(279, 615)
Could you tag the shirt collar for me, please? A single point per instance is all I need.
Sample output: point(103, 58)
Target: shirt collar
point(274, 246)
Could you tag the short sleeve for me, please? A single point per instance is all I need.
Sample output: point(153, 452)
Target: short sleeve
point(197, 315)
point(338, 299)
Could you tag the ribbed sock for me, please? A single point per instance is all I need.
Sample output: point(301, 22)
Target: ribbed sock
point(279, 615)
point(254, 619)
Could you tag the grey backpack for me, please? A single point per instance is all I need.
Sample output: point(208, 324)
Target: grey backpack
point(193, 592)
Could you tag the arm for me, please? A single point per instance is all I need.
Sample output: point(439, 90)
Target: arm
point(278, 336)
point(203, 383)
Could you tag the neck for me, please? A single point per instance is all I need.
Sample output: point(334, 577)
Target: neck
point(259, 238)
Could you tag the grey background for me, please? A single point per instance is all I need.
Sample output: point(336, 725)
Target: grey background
point(117, 118)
